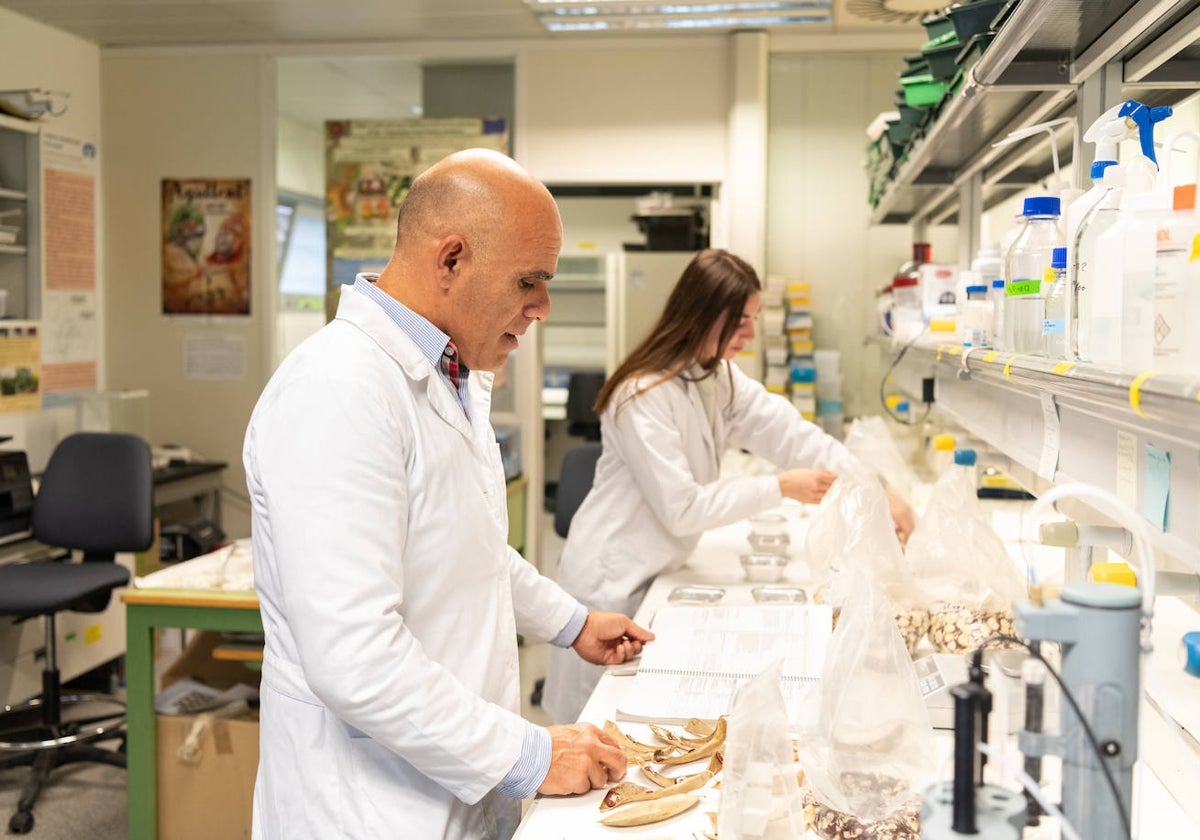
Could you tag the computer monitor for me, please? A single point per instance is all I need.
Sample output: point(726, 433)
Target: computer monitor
point(16, 497)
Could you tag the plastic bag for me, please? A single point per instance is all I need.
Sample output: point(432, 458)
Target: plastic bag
point(760, 796)
point(872, 751)
point(869, 440)
point(962, 567)
point(853, 529)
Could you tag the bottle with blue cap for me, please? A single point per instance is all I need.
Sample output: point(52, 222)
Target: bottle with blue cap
point(1028, 274)
point(1058, 309)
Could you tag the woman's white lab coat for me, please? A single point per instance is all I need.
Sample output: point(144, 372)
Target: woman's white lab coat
point(390, 600)
point(656, 491)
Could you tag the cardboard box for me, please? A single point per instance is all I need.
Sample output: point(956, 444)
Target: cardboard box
point(212, 794)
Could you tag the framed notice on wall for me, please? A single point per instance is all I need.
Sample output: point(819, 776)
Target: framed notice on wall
point(206, 246)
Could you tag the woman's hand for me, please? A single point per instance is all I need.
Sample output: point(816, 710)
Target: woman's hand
point(902, 517)
point(808, 486)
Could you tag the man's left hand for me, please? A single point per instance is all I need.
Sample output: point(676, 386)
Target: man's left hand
point(610, 638)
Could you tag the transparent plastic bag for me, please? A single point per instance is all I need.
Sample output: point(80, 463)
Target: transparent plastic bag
point(760, 796)
point(869, 440)
point(853, 529)
point(872, 751)
point(962, 568)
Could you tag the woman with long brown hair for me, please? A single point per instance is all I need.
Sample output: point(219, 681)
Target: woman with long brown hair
point(667, 413)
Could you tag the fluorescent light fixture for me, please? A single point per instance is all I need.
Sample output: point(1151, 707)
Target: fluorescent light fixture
point(610, 15)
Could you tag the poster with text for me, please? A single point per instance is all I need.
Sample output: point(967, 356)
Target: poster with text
point(20, 367)
point(206, 246)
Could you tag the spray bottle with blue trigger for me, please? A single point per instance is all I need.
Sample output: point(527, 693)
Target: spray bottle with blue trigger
point(1096, 211)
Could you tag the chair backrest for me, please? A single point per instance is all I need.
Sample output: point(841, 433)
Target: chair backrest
point(582, 389)
point(574, 482)
point(97, 496)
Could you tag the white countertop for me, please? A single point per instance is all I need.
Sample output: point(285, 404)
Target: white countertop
point(715, 562)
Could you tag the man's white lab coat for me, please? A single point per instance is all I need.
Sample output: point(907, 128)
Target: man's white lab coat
point(390, 600)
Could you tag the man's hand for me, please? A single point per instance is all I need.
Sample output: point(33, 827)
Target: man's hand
point(902, 517)
point(808, 486)
point(582, 758)
point(610, 638)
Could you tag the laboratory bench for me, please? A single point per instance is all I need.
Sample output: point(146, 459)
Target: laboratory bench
point(1160, 803)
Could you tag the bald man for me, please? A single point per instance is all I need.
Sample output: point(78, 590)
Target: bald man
point(390, 599)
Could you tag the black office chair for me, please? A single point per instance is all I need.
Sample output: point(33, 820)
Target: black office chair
point(96, 497)
point(582, 389)
point(574, 481)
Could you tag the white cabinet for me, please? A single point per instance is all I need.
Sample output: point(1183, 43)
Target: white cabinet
point(20, 218)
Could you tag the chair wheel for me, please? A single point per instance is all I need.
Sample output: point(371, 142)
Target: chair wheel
point(20, 823)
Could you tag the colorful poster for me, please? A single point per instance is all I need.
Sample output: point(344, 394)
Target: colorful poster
point(206, 246)
point(20, 363)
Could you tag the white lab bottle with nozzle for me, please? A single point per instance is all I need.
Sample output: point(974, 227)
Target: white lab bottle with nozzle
point(1094, 305)
point(1122, 324)
point(1058, 302)
point(1028, 275)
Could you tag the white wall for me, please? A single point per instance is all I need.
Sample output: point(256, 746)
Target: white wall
point(300, 161)
point(597, 113)
point(818, 220)
point(186, 116)
point(33, 55)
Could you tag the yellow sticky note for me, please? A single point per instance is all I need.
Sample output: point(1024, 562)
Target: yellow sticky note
point(92, 633)
point(991, 355)
point(1195, 249)
point(1062, 367)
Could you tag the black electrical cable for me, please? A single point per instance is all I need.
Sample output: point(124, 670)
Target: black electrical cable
point(977, 662)
point(883, 385)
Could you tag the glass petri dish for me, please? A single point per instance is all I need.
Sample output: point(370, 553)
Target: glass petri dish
point(769, 543)
point(695, 594)
point(779, 595)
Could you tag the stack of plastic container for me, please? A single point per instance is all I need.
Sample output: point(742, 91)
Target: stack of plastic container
point(799, 324)
point(774, 338)
point(829, 391)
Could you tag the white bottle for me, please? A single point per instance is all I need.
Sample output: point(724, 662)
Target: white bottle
point(1122, 323)
point(1086, 308)
point(1028, 275)
point(975, 323)
point(995, 297)
point(1058, 302)
point(1177, 288)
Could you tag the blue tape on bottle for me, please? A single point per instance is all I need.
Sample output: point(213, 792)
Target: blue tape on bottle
point(1191, 653)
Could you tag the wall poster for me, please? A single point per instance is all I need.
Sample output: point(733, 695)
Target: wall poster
point(206, 246)
point(369, 166)
point(20, 367)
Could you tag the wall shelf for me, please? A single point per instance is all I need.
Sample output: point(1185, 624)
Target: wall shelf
point(998, 397)
point(1030, 74)
point(13, 195)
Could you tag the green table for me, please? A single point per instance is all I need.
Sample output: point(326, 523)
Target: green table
point(145, 611)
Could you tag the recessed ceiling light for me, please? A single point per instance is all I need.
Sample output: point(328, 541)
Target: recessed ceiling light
point(607, 15)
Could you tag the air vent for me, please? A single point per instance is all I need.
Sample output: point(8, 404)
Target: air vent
point(893, 11)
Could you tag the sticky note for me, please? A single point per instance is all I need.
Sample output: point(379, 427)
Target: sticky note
point(1157, 493)
point(1195, 248)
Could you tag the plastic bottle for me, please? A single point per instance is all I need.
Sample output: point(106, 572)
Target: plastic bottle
point(1106, 132)
point(907, 321)
point(975, 323)
point(1058, 302)
point(1026, 267)
point(942, 457)
point(996, 298)
point(1095, 212)
point(1086, 344)
point(963, 470)
point(1177, 279)
point(1123, 310)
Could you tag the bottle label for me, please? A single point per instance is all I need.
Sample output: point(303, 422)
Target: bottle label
point(1023, 287)
point(1054, 326)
